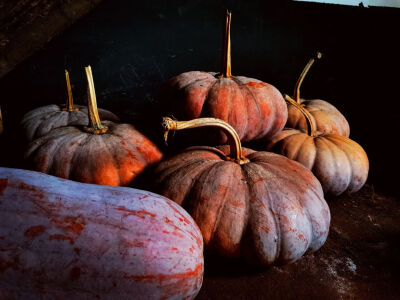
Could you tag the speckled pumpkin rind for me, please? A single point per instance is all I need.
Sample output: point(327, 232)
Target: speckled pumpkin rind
point(61, 239)
point(340, 164)
point(269, 210)
point(255, 109)
point(327, 118)
point(42, 120)
point(113, 158)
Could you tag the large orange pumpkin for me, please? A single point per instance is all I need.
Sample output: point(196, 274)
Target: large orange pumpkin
point(254, 108)
point(259, 205)
point(42, 120)
point(340, 164)
point(326, 117)
point(108, 153)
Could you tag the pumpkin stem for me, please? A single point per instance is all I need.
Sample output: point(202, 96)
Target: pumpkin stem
point(309, 118)
point(226, 48)
point(95, 126)
point(303, 74)
point(70, 100)
point(236, 153)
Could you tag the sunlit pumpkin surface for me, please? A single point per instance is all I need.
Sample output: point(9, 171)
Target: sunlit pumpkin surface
point(113, 158)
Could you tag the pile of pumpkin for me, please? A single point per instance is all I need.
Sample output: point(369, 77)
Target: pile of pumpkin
point(60, 238)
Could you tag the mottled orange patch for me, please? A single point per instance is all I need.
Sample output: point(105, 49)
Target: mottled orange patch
point(256, 84)
point(175, 249)
point(266, 229)
point(3, 185)
point(138, 213)
point(34, 231)
point(70, 224)
point(27, 187)
point(163, 277)
point(301, 236)
point(60, 237)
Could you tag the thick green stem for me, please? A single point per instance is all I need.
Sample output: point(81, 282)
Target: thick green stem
point(309, 118)
point(70, 100)
point(226, 48)
point(95, 125)
point(303, 74)
point(236, 153)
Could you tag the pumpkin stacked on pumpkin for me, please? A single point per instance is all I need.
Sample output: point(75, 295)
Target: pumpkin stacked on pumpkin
point(106, 153)
point(258, 205)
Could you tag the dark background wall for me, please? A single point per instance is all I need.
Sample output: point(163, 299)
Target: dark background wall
point(134, 46)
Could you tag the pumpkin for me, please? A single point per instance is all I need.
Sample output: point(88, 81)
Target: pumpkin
point(107, 154)
point(340, 164)
point(326, 117)
point(63, 239)
point(257, 205)
point(42, 120)
point(254, 108)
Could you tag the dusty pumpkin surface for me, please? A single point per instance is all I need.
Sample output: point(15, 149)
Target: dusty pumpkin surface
point(358, 261)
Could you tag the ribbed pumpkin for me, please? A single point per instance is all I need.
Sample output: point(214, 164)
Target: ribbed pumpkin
point(254, 108)
point(326, 117)
point(340, 164)
point(258, 205)
point(42, 120)
point(108, 153)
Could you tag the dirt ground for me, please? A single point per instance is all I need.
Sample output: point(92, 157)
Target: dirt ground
point(360, 259)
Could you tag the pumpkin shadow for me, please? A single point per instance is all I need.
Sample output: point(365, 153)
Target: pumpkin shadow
point(217, 266)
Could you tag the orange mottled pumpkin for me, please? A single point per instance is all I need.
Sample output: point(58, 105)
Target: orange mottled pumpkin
point(255, 109)
point(107, 154)
point(42, 120)
point(340, 164)
point(259, 205)
point(326, 117)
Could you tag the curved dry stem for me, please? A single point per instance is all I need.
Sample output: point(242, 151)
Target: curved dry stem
point(309, 118)
point(296, 94)
point(226, 48)
point(70, 100)
point(95, 126)
point(236, 153)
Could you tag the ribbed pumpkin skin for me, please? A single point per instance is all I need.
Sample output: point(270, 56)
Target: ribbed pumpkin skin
point(40, 121)
point(67, 240)
point(113, 158)
point(269, 210)
point(326, 117)
point(340, 164)
point(255, 109)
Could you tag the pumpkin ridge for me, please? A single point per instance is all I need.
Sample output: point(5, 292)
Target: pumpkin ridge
point(236, 80)
point(61, 141)
point(36, 129)
point(258, 109)
point(206, 174)
point(333, 157)
point(199, 167)
point(111, 150)
point(202, 99)
point(270, 211)
point(360, 154)
point(299, 201)
point(169, 169)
